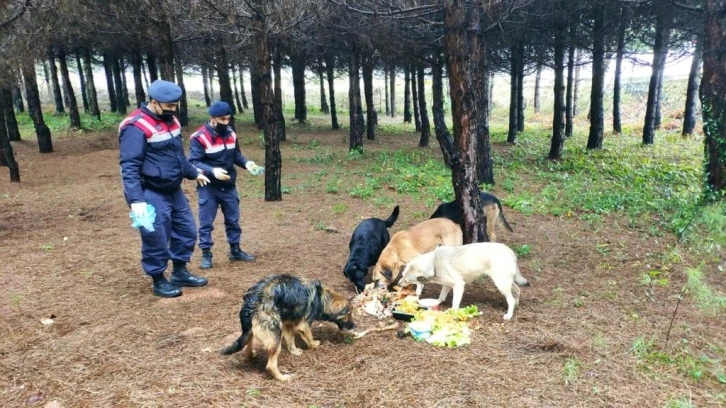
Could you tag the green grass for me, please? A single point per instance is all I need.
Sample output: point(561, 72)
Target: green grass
point(696, 368)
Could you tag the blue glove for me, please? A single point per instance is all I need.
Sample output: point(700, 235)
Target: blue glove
point(144, 220)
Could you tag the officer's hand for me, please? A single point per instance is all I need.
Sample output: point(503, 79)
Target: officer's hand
point(253, 168)
point(220, 174)
point(139, 209)
point(202, 180)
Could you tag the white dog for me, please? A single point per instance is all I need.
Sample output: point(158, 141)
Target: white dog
point(453, 267)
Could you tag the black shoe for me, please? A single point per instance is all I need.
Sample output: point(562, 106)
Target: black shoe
point(182, 277)
point(163, 288)
point(236, 254)
point(206, 259)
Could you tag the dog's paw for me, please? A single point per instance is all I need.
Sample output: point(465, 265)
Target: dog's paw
point(284, 377)
point(508, 316)
point(314, 344)
point(296, 352)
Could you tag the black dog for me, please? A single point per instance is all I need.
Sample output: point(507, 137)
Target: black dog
point(492, 209)
point(366, 244)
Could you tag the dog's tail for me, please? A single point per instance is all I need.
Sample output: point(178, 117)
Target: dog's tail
point(519, 279)
point(246, 314)
point(501, 215)
point(237, 345)
point(392, 219)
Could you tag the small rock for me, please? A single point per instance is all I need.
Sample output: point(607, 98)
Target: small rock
point(53, 404)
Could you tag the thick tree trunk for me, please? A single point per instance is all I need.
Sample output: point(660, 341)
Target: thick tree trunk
point(576, 86)
point(558, 119)
point(17, 94)
point(385, 85)
point(57, 94)
point(392, 91)
point(446, 143)
point(81, 77)
point(236, 90)
point(513, 97)
point(122, 70)
point(617, 125)
point(368, 91)
point(8, 157)
point(324, 108)
point(330, 68)
point(255, 90)
point(423, 110)
point(167, 54)
point(211, 84)
point(463, 56)
point(242, 87)
point(143, 72)
point(298, 61)
point(68, 90)
point(205, 85)
point(225, 86)
point(269, 114)
point(183, 104)
point(13, 134)
point(136, 63)
point(597, 125)
point(520, 90)
point(118, 84)
point(45, 144)
point(91, 85)
point(109, 81)
point(537, 77)
point(153, 67)
point(713, 97)
point(46, 79)
point(416, 103)
point(490, 93)
point(569, 100)
point(277, 67)
point(689, 116)
point(659, 103)
point(354, 102)
point(406, 95)
point(485, 167)
point(660, 50)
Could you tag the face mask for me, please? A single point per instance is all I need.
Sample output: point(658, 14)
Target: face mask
point(220, 128)
point(167, 115)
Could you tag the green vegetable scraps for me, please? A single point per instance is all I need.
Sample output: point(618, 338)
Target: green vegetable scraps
point(449, 328)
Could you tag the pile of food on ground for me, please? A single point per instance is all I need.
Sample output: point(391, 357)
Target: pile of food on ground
point(443, 328)
point(379, 302)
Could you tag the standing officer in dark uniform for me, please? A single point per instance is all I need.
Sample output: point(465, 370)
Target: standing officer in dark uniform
point(214, 150)
point(153, 166)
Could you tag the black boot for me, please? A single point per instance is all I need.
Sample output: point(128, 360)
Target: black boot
point(236, 254)
point(163, 288)
point(206, 259)
point(182, 277)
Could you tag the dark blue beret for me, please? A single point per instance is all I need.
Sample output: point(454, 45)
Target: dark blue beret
point(219, 109)
point(165, 91)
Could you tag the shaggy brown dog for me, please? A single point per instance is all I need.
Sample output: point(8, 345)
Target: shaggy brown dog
point(278, 307)
point(408, 244)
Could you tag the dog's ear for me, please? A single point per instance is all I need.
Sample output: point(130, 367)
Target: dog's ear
point(422, 279)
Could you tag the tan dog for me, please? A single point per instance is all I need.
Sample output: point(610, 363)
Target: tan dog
point(454, 267)
point(408, 244)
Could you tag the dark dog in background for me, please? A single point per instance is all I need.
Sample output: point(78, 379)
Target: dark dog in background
point(280, 306)
point(492, 209)
point(366, 244)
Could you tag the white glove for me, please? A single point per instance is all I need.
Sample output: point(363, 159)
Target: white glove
point(253, 168)
point(202, 180)
point(139, 209)
point(220, 174)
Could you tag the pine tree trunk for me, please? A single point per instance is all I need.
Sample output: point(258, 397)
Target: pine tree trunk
point(513, 99)
point(368, 91)
point(255, 77)
point(122, 70)
point(520, 89)
point(57, 95)
point(330, 67)
point(406, 95)
point(385, 85)
point(8, 157)
point(490, 93)
point(354, 101)
point(423, 110)
point(277, 66)
point(537, 77)
point(136, 63)
point(236, 90)
point(143, 72)
point(167, 53)
point(183, 103)
point(298, 60)
point(90, 85)
point(46, 78)
point(225, 87)
point(597, 125)
point(153, 67)
point(558, 119)
point(211, 84)
point(109, 81)
point(463, 50)
point(660, 50)
point(485, 167)
point(268, 110)
point(17, 94)
point(657, 119)
point(443, 136)
point(324, 108)
point(45, 144)
point(242, 87)
point(576, 86)
point(569, 100)
point(81, 77)
point(118, 84)
point(68, 90)
point(416, 103)
point(392, 91)
point(205, 85)
point(689, 116)
point(713, 97)
point(617, 125)
point(13, 134)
